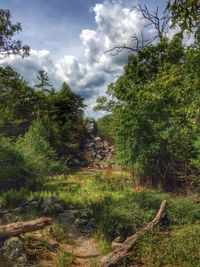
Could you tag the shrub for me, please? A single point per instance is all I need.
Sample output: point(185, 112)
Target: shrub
point(179, 248)
point(13, 198)
point(12, 163)
point(58, 232)
point(40, 158)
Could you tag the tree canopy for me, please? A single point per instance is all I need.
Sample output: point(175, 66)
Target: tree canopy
point(8, 45)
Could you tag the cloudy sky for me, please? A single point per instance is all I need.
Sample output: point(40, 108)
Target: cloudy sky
point(68, 39)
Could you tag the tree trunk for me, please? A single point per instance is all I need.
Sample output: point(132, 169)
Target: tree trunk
point(14, 229)
point(119, 254)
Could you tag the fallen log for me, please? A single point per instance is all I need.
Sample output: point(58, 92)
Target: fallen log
point(120, 253)
point(15, 229)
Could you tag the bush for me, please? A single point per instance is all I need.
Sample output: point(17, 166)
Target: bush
point(13, 198)
point(105, 127)
point(12, 163)
point(119, 215)
point(58, 232)
point(179, 248)
point(40, 158)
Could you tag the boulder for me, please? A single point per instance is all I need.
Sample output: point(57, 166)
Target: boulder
point(92, 127)
point(51, 205)
point(98, 156)
point(12, 253)
point(86, 213)
point(76, 162)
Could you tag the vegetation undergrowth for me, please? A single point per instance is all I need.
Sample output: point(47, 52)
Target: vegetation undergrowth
point(120, 209)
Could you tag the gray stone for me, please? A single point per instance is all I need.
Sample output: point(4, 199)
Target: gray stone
point(93, 152)
point(97, 139)
point(51, 205)
point(6, 218)
point(92, 127)
point(80, 222)
point(13, 252)
point(76, 161)
point(86, 213)
point(98, 156)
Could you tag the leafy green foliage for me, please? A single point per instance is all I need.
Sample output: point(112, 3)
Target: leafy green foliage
point(179, 247)
point(185, 13)
point(43, 81)
point(36, 150)
point(12, 163)
point(19, 103)
point(23, 113)
point(105, 127)
point(9, 46)
point(157, 113)
point(13, 198)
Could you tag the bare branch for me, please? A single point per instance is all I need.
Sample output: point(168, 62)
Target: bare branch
point(153, 20)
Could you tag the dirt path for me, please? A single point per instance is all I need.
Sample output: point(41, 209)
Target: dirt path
point(83, 246)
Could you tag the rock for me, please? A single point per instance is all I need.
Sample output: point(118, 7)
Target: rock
point(54, 244)
point(76, 162)
point(86, 213)
point(106, 145)
point(6, 218)
point(13, 252)
point(97, 139)
point(92, 127)
point(51, 205)
point(80, 222)
point(93, 152)
point(91, 144)
point(98, 156)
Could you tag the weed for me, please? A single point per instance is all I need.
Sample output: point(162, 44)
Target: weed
point(102, 242)
point(65, 259)
point(58, 233)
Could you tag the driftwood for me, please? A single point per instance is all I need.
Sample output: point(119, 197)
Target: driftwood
point(15, 229)
point(120, 253)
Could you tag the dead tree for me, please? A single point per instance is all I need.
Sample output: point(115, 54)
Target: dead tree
point(120, 253)
point(154, 21)
point(15, 229)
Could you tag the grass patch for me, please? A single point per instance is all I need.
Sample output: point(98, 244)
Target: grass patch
point(59, 233)
point(118, 209)
point(64, 259)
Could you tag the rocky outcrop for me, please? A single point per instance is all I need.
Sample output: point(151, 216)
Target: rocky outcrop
point(99, 148)
point(92, 127)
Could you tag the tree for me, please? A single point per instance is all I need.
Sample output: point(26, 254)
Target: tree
point(43, 81)
point(157, 113)
point(66, 118)
point(185, 13)
point(19, 103)
point(9, 46)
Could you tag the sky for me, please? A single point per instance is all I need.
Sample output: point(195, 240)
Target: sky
point(68, 39)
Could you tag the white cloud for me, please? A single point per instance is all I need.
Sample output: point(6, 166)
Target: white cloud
point(90, 74)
